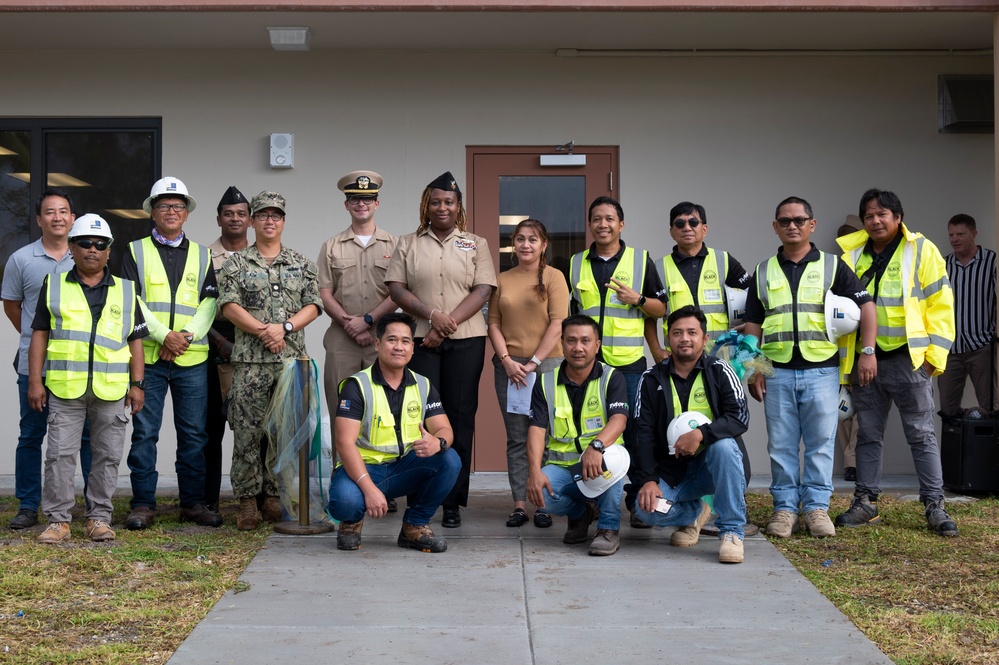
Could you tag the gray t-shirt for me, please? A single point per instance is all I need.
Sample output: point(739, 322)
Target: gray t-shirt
point(22, 280)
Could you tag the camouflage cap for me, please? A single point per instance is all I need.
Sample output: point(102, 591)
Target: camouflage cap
point(267, 199)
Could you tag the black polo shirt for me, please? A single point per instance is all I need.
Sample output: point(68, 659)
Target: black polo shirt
point(352, 398)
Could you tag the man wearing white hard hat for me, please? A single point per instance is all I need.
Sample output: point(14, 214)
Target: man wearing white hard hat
point(87, 336)
point(578, 414)
point(690, 416)
point(789, 310)
point(177, 290)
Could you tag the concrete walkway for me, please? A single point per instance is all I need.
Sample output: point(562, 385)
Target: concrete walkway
point(519, 596)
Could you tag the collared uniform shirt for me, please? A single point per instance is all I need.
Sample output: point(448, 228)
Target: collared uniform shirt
point(356, 273)
point(974, 287)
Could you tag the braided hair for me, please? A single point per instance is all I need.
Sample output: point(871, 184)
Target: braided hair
point(538, 227)
point(461, 220)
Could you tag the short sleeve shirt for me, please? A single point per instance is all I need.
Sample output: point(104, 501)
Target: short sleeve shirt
point(355, 272)
point(616, 398)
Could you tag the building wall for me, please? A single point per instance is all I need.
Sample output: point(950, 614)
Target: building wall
point(735, 134)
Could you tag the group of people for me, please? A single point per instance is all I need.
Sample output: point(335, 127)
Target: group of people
point(587, 422)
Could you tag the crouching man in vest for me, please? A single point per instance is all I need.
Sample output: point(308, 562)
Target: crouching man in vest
point(393, 439)
point(87, 336)
point(577, 411)
point(704, 460)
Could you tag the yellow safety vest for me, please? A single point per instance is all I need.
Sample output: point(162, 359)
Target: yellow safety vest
point(800, 320)
point(696, 401)
point(622, 329)
point(565, 440)
point(377, 440)
point(173, 310)
point(711, 296)
point(72, 340)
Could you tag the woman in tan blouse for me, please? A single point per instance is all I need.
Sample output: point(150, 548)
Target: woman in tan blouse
point(443, 276)
point(525, 327)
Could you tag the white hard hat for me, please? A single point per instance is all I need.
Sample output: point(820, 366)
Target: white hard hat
point(736, 306)
point(845, 407)
point(168, 186)
point(616, 461)
point(842, 316)
point(90, 225)
point(687, 421)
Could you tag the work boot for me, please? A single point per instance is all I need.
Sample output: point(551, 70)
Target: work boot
point(420, 537)
point(200, 515)
point(731, 549)
point(578, 530)
point(862, 511)
point(818, 524)
point(25, 518)
point(783, 523)
point(393, 507)
point(451, 517)
point(605, 543)
point(247, 519)
point(687, 536)
point(271, 511)
point(141, 517)
point(938, 520)
point(98, 531)
point(636, 523)
point(349, 536)
point(55, 532)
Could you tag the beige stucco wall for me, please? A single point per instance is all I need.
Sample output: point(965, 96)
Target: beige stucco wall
point(735, 134)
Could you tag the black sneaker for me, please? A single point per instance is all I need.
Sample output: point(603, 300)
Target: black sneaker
point(420, 538)
point(850, 473)
point(25, 518)
point(861, 512)
point(937, 519)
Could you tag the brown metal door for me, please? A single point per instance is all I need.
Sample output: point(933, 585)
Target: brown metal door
point(508, 184)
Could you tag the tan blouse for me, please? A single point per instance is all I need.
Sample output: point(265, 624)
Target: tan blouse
point(522, 315)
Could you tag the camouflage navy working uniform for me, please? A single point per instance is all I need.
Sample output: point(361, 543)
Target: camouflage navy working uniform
point(271, 293)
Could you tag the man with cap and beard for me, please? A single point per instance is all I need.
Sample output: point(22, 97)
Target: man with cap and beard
point(352, 266)
point(233, 218)
point(270, 293)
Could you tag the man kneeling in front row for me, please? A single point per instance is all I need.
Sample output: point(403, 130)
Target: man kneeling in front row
point(393, 440)
point(704, 460)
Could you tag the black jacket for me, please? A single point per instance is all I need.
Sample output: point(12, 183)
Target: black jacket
point(654, 412)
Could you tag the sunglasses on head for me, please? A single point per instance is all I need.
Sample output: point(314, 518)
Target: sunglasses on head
point(680, 223)
point(87, 243)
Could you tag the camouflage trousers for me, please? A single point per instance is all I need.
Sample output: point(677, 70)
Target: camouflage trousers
point(252, 387)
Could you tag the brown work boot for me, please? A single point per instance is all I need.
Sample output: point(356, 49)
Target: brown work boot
point(272, 509)
point(55, 532)
point(420, 537)
point(783, 523)
point(349, 535)
point(98, 531)
point(578, 530)
point(818, 524)
point(687, 536)
point(605, 543)
point(248, 519)
point(141, 517)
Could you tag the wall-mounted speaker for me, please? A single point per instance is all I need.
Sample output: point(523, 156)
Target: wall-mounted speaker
point(282, 151)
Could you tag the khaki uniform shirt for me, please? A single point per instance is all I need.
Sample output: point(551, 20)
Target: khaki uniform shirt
point(355, 273)
point(442, 273)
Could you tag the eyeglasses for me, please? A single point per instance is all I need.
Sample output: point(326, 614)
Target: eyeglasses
point(786, 221)
point(264, 216)
point(176, 207)
point(357, 200)
point(680, 223)
point(87, 243)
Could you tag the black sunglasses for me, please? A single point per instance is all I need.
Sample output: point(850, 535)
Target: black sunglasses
point(87, 243)
point(680, 223)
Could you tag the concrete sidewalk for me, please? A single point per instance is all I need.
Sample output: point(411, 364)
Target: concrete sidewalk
point(519, 596)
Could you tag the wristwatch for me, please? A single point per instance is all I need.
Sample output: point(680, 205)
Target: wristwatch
point(370, 321)
point(443, 443)
point(598, 446)
point(140, 384)
point(641, 301)
point(289, 326)
point(868, 350)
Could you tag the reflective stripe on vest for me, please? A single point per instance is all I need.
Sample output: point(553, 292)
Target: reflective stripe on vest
point(711, 296)
point(891, 290)
point(565, 442)
point(173, 310)
point(622, 327)
point(799, 319)
point(69, 365)
point(377, 439)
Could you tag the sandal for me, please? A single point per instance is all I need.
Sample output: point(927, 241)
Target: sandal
point(517, 518)
point(542, 520)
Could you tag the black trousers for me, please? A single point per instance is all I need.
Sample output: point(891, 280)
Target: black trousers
point(215, 428)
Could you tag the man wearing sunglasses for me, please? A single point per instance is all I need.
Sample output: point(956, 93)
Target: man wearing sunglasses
point(177, 291)
point(785, 311)
point(87, 336)
point(695, 274)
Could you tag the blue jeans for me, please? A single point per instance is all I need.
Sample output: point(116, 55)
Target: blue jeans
point(800, 405)
point(631, 379)
point(28, 455)
point(190, 407)
point(568, 500)
point(425, 480)
point(718, 470)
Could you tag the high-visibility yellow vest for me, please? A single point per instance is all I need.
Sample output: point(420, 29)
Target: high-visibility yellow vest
point(696, 401)
point(711, 295)
point(173, 310)
point(623, 326)
point(377, 439)
point(566, 441)
point(72, 340)
point(799, 319)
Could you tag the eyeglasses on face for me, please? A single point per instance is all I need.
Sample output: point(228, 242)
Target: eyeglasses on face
point(680, 223)
point(785, 222)
point(358, 200)
point(87, 243)
point(176, 207)
point(264, 216)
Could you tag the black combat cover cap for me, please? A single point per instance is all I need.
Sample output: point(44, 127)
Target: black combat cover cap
point(446, 182)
